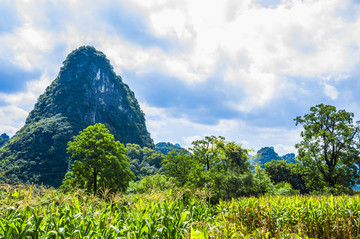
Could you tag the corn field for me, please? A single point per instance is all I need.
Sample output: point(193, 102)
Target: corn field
point(36, 212)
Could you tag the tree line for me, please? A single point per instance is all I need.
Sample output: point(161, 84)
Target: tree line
point(327, 162)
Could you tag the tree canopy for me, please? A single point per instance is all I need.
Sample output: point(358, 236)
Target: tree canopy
point(143, 161)
point(280, 171)
point(329, 150)
point(99, 161)
point(221, 168)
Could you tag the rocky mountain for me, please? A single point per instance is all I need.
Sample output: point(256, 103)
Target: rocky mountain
point(267, 154)
point(86, 91)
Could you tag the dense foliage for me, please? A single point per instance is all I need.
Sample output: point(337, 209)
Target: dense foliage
point(36, 212)
point(4, 138)
point(100, 162)
point(86, 91)
point(37, 153)
point(168, 147)
point(144, 161)
point(329, 150)
point(280, 171)
point(222, 168)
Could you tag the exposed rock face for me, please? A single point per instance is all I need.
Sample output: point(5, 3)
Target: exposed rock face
point(86, 91)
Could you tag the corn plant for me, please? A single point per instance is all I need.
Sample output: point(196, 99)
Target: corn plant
point(37, 212)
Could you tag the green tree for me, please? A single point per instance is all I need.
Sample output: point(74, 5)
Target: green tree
point(329, 150)
point(99, 161)
point(209, 151)
point(280, 171)
point(237, 157)
point(179, 167)
point(144, 161)
point(221, 167)
point(210, 163)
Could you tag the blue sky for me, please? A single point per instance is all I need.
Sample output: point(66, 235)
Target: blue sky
point(240, 69)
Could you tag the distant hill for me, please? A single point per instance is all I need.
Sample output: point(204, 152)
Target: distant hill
point(289, 158)
point(86, 91)
point(4, 138)
point(267, 154)
point(165, 148)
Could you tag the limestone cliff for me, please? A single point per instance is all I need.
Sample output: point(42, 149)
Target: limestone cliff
point(86, 91)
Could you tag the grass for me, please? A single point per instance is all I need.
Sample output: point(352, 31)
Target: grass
point(38, 212)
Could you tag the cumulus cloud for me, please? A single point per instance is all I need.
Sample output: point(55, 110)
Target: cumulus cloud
point(246, 66)
point(260, 45)
point(284, 149)
point(12, 118)
point(189, 139)
point(330, 91)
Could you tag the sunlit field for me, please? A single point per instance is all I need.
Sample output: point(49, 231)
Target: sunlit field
point(37, 212)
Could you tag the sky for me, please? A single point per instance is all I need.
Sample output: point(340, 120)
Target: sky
point(240, 69)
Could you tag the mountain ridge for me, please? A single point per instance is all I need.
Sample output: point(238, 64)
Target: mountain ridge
point(86, 91)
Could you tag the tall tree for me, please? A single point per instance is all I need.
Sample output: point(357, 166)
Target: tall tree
point(99, 161)
point(329, 150)
point(209, 151)
point(237, 157)
point(179, 167)
point(222, 167)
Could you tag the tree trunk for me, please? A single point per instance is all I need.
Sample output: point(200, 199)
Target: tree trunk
point(95, 181)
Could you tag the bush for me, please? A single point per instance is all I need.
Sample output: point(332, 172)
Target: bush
point(284, 188)
point(157, 182)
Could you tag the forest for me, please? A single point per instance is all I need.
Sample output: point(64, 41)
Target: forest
point(214, 189)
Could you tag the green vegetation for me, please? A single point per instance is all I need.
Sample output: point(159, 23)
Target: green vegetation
point(329, 152)
point(99, 161)
point(37, 153)
point(214, 165)
point(37, 212)
point(86, 91)
point(144, 161)
point(166, 148)
point(210, 190)
point(280, 171)
point(4, 138)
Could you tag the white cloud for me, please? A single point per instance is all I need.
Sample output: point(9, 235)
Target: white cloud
point(298, 38)
point(18, 105)
point(181, 130)
point(264, 50)
point(11, 119)
point(284, 149)
point(330, 91)
point(189, 139)
point(27, 99)
point(259, 45)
